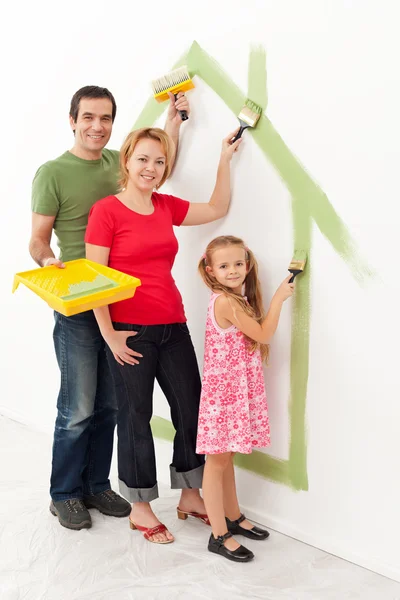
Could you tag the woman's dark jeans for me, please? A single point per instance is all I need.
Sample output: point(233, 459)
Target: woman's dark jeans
point(169, 358)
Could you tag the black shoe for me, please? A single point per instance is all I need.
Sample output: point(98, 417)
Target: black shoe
point(72, 514)
point(109, 503)
point(253, 534)
point(216, 545)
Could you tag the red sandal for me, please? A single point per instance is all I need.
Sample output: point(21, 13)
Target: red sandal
point(184, 515)
point(148, 532)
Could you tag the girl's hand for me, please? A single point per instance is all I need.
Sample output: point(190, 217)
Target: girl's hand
point(116, 340)
point(285, 290)
point(227, 147)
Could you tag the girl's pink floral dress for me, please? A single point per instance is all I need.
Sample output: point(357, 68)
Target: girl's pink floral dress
point(233, 415)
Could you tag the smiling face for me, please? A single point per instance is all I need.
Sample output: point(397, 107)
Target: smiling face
point(229, 267)
point(92, 127)
point(146, 165)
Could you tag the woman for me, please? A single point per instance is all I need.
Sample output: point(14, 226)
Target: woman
point(147, 335)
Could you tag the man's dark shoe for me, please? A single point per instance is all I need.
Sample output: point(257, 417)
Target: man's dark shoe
point(108, 503)
point(72, 513)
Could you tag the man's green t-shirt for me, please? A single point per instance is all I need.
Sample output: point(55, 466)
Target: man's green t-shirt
point(67, 188)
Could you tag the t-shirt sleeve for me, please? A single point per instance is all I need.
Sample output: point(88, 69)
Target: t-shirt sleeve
point(100, 228)
point(45, 198)
point(178, 207)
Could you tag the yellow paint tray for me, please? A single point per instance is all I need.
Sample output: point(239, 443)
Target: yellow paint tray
point(82, 285)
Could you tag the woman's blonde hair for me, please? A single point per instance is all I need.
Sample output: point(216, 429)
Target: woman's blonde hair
point(253, 306)
point(129, 145)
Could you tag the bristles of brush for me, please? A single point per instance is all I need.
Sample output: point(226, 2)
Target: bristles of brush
point(170, 80)
point(299, 255)
point(297, 265)
point(250, 113)
point(254, 107)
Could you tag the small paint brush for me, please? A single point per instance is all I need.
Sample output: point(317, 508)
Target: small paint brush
point(176, 81)
point(298, 263)
point(248, 117)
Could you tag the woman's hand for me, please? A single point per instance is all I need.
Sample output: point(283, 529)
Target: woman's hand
point(116, 340)
point(228, 148)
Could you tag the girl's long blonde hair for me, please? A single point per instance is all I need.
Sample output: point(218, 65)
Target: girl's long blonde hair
point(253, 306)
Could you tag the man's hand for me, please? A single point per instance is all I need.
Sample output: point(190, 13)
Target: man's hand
point(53, 261)
point(181, 103)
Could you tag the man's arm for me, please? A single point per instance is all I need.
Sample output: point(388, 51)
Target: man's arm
point(39, 244)
point(45, 206)
point(174, 121)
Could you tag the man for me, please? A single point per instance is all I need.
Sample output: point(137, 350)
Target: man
point(63, 193)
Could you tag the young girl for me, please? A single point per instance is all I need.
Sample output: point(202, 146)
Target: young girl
point(233, 413)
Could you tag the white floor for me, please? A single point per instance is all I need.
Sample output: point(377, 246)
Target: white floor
point(42, 561)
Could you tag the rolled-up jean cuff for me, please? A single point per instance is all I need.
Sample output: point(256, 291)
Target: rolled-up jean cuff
point(190, 479)
point(138, 494)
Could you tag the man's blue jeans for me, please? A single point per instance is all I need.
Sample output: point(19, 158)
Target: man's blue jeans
point(86, 410)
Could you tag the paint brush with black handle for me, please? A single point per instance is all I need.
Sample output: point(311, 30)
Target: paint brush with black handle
point(176, 81)
point(298, 263)
point(248, 117)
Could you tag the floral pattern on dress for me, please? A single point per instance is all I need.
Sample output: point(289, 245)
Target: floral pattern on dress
point(233, 414)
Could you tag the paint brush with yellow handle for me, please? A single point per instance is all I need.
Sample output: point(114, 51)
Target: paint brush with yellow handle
point(298, 263)
point(176, 81)
point(248, 117)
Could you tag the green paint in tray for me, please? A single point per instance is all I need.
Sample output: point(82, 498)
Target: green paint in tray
point(85, 288)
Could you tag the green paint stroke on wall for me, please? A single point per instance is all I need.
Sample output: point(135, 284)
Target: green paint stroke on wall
point(257, 77)
point(309, 204)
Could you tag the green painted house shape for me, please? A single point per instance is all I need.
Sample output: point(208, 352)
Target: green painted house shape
point(309, 204)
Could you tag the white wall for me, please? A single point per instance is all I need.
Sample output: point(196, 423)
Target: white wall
point(333, 87)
